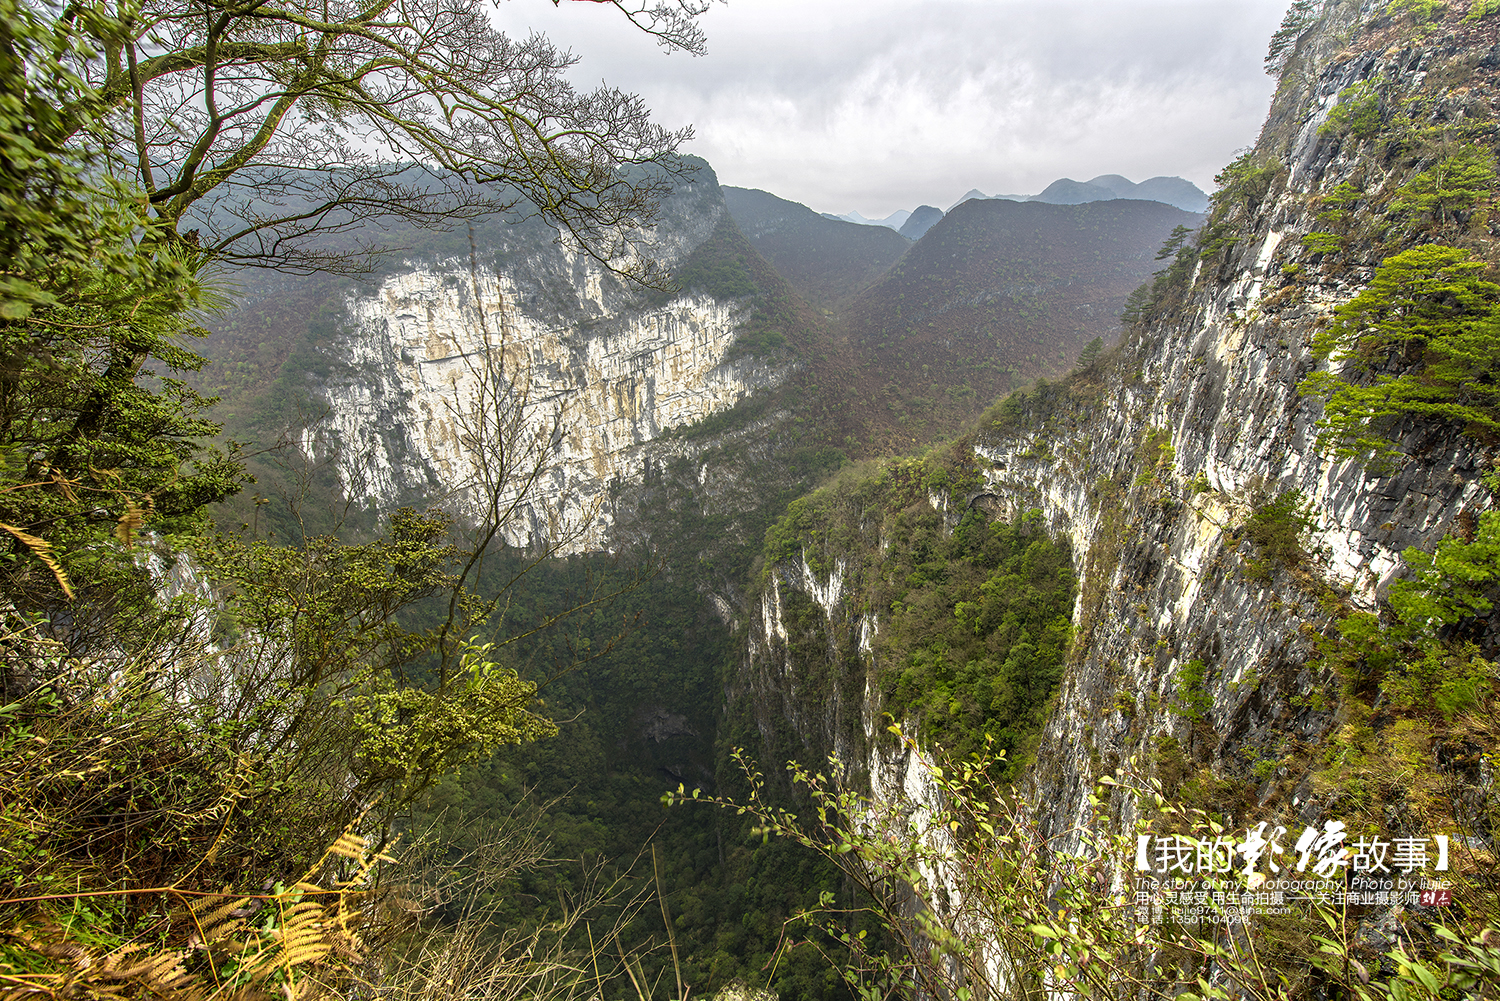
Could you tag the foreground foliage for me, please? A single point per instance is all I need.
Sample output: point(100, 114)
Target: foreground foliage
point(205, 739)
point(149, 850)
point(963, 896)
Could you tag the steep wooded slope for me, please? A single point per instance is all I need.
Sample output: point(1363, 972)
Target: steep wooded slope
point(996, 294)
point(827, 260)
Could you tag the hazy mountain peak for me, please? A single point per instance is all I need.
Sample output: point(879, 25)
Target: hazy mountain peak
point(1123, 187)
point(892, 221)
point(975, 193)
point(1174, 191)
point(1182, 193)
point(1066, 191)
point(971, 193)
point(923, 219)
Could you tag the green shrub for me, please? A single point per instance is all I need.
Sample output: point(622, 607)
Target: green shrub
point(1455, 582)
point(1323, 243)
point(1457, 184)
point(1245, 182)
point(1422, 11)
point(1193, 700)
point(1356, 114)
point(1279, 528)
point(1422, 340)
point(1007, 413)
point(1338, 204)
point(759, 342)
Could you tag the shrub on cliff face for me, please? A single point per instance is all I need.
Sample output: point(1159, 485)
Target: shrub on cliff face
point(1442, 193)
point(1453, 583)
point(1244, 184)
point(1279, 528)
point(1356, 114)
point(1169, 286)
point(1421, 341)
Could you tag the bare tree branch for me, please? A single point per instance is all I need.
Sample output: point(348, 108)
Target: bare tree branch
point(319, 117)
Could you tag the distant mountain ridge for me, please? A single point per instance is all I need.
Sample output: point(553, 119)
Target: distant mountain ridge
point(825, 258)
point(1175, 191)
point(893, 221)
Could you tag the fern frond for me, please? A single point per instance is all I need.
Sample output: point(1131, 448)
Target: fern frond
point(212, 913)
point(42, 549)
point(351, 846)
point(129, 523)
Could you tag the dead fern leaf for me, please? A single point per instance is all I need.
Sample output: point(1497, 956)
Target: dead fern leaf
point(64, 486)
point(295, 946)
point(42, 549)
point(129, 523)
point(350, 846)
point(161, 973)
point(211, 913)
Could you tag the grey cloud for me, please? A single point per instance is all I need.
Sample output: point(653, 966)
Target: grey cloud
point(877, 105)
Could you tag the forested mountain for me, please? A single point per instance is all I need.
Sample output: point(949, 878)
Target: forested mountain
point(380, 371)
point(827, 260)
point(994, 295)
point(678, 424)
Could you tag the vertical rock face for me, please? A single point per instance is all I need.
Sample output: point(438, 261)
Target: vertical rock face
point(1154, 465)
point(1153, 461)
point(530, 363)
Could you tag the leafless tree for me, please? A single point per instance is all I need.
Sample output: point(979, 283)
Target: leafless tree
point(271, 132)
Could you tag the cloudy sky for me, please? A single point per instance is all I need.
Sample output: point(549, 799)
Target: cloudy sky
point(879, 105)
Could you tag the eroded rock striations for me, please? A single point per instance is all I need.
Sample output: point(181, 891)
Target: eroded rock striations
point(531, 346)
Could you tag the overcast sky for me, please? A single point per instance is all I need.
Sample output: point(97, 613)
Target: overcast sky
point(879, 105)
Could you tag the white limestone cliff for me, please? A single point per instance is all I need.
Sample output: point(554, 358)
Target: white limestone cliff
point(537, 367)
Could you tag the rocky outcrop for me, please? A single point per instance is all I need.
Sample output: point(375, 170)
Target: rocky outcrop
point(534, 367)
point(1153, 466)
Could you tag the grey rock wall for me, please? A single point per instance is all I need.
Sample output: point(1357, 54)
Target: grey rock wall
point(1163, 562)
